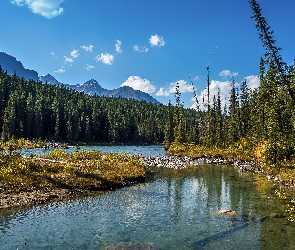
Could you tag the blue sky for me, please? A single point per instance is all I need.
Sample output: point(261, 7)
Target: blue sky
point(148, 45)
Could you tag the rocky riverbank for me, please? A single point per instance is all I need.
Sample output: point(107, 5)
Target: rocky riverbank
point(176, 162)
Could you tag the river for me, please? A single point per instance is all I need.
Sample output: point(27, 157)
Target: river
point(173, 209)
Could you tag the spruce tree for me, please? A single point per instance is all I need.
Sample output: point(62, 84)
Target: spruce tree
point(169, 126)
point(244, 108)
point(219, 122)
point(233, 122)
point(272, 51)
point(179, 123)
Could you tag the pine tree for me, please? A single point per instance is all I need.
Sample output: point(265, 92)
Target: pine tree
point(9, 121)
point(169, 126)
point(233, 122)
point(194, 135)
point(29, 117)
point(219, 122)
point(180, 129)
point(272, 53)
point(207, 138)
point(244, 108)
point(179, 124)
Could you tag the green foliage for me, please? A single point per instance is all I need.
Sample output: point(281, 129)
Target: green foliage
point(169, 126)
point(258, 124)
point(36, 110)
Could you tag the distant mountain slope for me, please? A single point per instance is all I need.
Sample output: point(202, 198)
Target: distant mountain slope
point(50, 80)
point(11, 65)
point(90, 87)
point(128, 92)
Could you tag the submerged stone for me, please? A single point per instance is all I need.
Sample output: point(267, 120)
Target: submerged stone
point(228, 212)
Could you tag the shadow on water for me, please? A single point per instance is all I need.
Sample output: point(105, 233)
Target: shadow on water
point(222, 235)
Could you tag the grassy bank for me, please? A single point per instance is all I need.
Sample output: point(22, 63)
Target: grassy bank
point(79, 172)
point(282, 171)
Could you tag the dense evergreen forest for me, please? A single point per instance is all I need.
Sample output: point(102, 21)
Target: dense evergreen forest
point(261, 118)
point(36, 110)
point(260, 121)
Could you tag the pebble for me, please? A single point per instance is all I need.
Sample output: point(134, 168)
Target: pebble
point(175, 162)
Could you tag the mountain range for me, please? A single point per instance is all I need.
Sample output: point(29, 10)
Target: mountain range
point(13, 66)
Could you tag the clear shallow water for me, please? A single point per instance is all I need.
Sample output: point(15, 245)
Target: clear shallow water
point(172, 210)
point(152, 150)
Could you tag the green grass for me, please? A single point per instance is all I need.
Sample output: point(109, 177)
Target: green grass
point(243, 150)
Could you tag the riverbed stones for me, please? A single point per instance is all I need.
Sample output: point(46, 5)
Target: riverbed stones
point(173, 162)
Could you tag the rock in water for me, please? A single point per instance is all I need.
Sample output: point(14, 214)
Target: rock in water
point(228, 212)
point(129, 246)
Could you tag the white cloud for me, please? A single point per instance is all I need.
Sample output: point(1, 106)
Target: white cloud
point(118, 46)
point(253, 82)
point(156, 40)
point(52, 53)
point(105, 58)
point(89, 67)
point(68, 59)
point(75, 53)
point(61, 70)
point(183, 87)
point(196, 78)
point(46, 8)
point(87, 48)
point(163, 92)
point(18, 2)
point(139, 84)
point(224, 88)
point(140, 49)
point(227, 72)
point(171, 89)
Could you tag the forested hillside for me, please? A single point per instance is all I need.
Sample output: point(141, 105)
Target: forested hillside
point(261, 122)
point(34, 110)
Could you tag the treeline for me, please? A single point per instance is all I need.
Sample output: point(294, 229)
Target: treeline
point(35, 110)
point(216, 125)
point(260, 121)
